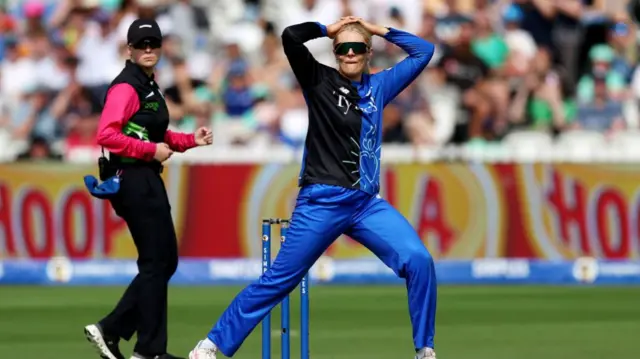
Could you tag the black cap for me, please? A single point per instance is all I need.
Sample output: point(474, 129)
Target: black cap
point(142, 29)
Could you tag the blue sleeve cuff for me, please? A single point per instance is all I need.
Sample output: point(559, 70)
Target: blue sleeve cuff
point(390, 32)
point(323, 29)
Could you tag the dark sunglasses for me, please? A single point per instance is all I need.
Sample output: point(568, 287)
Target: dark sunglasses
point(357, 47)
point(152, 43)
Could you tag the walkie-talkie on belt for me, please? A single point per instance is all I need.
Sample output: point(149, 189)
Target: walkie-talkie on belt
point(104, 167)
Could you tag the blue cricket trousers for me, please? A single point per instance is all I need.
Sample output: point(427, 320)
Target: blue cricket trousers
point(322, 213)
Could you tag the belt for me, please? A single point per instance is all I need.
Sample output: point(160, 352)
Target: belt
point(155, 166)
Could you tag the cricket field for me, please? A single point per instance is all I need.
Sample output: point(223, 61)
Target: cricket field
point(355, 322)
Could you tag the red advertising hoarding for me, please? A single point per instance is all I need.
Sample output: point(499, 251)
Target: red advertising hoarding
point(551, 211)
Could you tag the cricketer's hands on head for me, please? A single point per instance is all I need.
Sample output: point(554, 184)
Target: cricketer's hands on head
point(372, 28)
point(333, 29)
point(203, 136)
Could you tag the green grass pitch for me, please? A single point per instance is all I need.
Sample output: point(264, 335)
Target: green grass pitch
point(352, 322)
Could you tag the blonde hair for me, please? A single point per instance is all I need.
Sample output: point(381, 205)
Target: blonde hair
point(356, 28)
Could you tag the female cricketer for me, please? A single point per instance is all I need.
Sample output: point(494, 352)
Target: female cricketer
point(339, 181)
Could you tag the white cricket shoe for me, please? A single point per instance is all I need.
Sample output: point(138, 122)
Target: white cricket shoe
point(200, 352)
point(107, 346)
point(426, 353)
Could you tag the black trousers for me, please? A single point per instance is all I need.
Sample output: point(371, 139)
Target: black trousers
point(144, 205)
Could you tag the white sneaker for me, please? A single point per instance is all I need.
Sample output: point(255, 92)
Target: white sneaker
point(426, 353)
point(107, 346)
point(203, 353)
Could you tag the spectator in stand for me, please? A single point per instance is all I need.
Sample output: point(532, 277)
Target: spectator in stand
point(567, 34)
point(16, 72)
point(489, 45)
point(462, 69)
point(621, 38)
point(492, 49)
point(601, 57)
point(48, 57)
point(39, 149)
point(236, 122)
point(77, 111)
point(273, 72)
point(537, 19)
point(294, 121)
point(450, 21)
point(542, 100)
point(236, 94)
point(604, 114)
point(35, 117)
point(522, 47)
point(390, 54)
point(180, 95)
point(323, 11)
point(97, 51)
point(408, 119)
point(428, 32)
point(34, 13)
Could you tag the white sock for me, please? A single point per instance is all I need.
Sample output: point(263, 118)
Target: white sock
point(208, 344)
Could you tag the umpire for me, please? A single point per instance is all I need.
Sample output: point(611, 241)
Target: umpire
point(133, 128)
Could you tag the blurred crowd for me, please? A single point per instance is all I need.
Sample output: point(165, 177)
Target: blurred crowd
point(499, 66)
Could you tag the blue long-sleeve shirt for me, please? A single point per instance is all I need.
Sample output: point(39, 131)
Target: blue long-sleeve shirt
point(344, 138)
